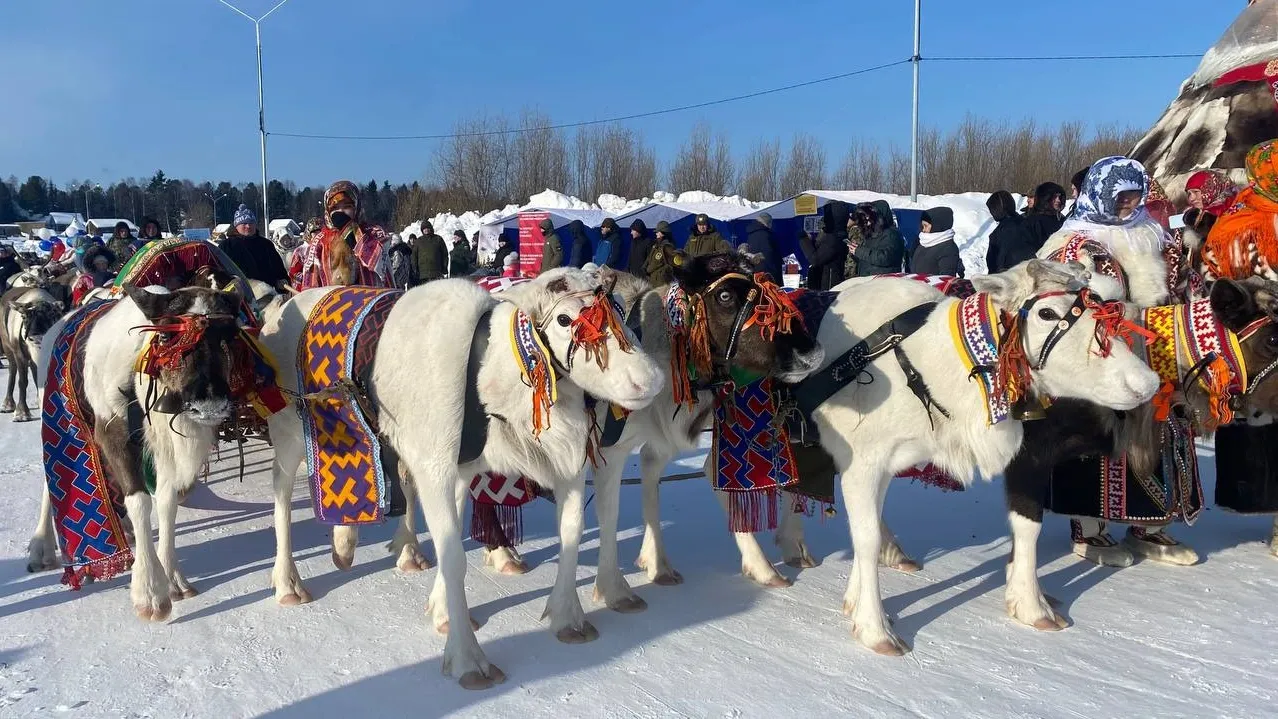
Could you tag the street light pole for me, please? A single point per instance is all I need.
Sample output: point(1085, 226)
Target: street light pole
point(261, 111)
point(914, 130)
point(214, 200)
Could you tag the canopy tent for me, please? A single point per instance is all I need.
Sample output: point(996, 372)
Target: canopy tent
point(802, 213)
point(1224, 109)
point(508, 225)
point(680, 216)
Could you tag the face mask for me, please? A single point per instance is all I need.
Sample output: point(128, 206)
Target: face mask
point(339, 219)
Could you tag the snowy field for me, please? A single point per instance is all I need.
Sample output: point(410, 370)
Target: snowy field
point(1149, 641)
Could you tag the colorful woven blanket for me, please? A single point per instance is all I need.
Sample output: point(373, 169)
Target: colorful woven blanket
point(752, 455)
point(173, 263)
point(87, 508)
point(952, 286)
point(343, 453)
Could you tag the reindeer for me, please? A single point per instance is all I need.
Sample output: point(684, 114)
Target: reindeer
point(418, 389)
point(905, 407)
point(26, 314)
point(186, 400)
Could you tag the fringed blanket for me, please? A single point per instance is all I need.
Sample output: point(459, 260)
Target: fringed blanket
point(496, 517)
point(752, 455)
point(87, 508)
point(343, 453)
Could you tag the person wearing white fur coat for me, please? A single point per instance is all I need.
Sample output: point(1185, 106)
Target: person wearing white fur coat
point(1111, 233)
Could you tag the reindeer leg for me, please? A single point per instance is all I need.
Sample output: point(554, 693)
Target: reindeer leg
point(1273, 538)
point(8, 395)
point(864, 487)
point(567, 618)
point(286, 432)
point(22, 370)
point(403, 546)
point(610, 584)
point(794, 550)
point(755, 565)
point(176, 467)
point(42, 550)
point(502, 556)
point(652, 554)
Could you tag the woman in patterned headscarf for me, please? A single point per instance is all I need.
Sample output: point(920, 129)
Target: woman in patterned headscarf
point(348, 251)
point(1110, 230)
point(1243, 242)
point(1113, 230)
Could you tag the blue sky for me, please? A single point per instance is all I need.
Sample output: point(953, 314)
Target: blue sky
point(124, 87)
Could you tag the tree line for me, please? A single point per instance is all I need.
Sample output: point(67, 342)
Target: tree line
point(483, 167)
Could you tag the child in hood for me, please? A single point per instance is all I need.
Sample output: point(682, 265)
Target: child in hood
point(937, 253)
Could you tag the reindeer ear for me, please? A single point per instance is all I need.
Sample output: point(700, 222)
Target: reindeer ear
point(1267, 299)
point(1010, 288)
point(153, 301)
point(1233, 303)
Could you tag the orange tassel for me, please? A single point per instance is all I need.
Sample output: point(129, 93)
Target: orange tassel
point(1218, 390)
point(1163, 401)
point(774, 311)
point(1013, 378)
point(541, 398)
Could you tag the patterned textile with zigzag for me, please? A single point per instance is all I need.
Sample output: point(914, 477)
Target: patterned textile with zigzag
point(343, 453)
point(87, 508)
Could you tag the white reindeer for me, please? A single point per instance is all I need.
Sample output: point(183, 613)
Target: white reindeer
point(877, 428)
point(194, 396)
point(418, 387)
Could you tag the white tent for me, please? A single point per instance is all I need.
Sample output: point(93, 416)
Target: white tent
point(107, 224)
point(279, 228)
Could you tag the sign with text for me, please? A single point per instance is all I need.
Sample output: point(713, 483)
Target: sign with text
point(805, 205)
point(530, 242)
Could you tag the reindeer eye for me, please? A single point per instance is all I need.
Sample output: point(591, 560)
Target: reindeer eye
point(1272, 339)
point(725, 297)
point(563, 320)
point(1048, 315)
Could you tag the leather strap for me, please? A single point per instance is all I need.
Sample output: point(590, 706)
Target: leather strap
point(474, 435)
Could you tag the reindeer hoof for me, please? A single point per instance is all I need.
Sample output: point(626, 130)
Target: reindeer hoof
point(573, 635)
point(7, 408)
point(803, 562)
point(178, 595)
point(629, 605)
point(157, 613)
point(513, 568)
point(23, 417)
point(477, 680)
point(669, 579)
point(410, 562)
point(342, 563)
point(292, 600)
point(443, 626)
point(908, 566)
point(890, 648)
point(1055, 623)
point(776, 581)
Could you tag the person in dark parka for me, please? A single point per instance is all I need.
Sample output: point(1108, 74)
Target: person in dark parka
point(641, 244)
point(882, 248)
point(658, 269)
point(1045, 218)
point(760, 238)
point(580, 254)
point(937, 253)
point(552, 250)
point(1012, 242)
point(825, 255)
point(255, 255)
point(461, 259)
point(504, 248)
point(430, 256)
point(705, 239)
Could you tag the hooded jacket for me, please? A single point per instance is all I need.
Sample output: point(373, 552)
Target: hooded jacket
point(882, 249)
point(761, 239)
point(1012, 242)
point(580, 254)
point(461, 261)
point(937, 253)
point(504, 248)
point(552, 250)
point(706, 244)
point(828, 253)
point(121, 247)
point(640, 248)
point(430, 257)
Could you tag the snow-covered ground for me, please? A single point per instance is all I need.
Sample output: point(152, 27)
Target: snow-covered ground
point(1149, 641)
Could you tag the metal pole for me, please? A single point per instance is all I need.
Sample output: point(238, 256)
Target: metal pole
point(914, 129)
point(261, 125)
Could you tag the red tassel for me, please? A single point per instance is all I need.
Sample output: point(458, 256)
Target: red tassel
point(753, 511)
point(496, 524)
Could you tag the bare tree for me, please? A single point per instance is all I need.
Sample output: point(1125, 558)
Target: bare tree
point(805, 166)
point(703, 163)
point(862, 168)
point(539, 157)
point(474, 163)
point(761, 175)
